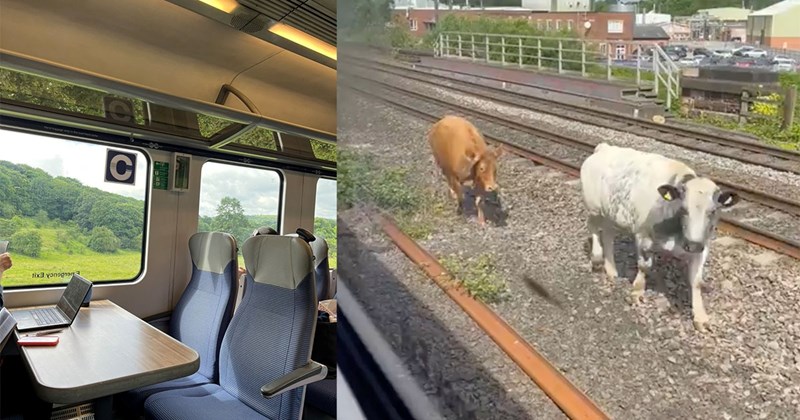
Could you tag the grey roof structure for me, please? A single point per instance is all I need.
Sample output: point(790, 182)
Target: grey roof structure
point(649, 32)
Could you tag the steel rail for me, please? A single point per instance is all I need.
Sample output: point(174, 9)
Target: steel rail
point(774, 201)
point(752, 234)
point(571, 400)
point(544, 105)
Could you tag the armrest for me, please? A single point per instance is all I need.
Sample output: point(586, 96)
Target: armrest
point(312, 372)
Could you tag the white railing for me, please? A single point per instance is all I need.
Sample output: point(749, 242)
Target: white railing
point(588, 57)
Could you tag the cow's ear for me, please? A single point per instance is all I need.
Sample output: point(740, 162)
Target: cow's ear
point(669, 192)
point(728, 199)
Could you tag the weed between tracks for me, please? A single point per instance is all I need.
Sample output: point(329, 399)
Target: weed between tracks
point(478, 275)
point(362, 181)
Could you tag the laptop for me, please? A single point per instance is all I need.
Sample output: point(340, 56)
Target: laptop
point(60, 315)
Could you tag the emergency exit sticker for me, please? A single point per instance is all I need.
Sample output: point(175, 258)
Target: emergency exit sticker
point(161, 175)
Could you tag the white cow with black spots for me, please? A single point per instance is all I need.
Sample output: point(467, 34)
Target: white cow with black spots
point(662, 202)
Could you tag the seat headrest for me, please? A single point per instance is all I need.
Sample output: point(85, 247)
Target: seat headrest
point(264, 230)
point(319, 247)
point(212, 251)
point(278, 260)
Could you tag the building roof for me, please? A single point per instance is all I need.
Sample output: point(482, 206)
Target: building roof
point(654, 32)
point(776, 8)
point(726, 13)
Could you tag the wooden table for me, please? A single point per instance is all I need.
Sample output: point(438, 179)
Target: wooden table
point(107, 350)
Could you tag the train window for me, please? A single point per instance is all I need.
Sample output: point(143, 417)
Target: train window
point(62, 217)
point(325, 215)
point(238, 200)
point(324, 150)
point(68, 98)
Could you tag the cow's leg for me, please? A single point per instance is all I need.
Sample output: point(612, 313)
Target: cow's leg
point(607, 237)
point(455, 192)
point(696, 263)
point(594, 223)
point(644, 261)
point(481, 218)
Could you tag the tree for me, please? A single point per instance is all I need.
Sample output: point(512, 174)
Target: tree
point(102, 239)
point(230, 218)
point(27, 242)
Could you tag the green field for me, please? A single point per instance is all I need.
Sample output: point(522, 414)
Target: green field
point(67, 256)
point(93, 266)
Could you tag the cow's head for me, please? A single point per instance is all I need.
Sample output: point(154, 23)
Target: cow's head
point(484, 171)
point(694, 202)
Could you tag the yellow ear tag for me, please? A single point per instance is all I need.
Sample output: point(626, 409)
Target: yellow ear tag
point(667, 196)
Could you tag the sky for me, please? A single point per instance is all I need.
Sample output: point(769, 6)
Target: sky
point(257, 189)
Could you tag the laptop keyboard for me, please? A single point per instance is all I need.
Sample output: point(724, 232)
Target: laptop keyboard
point(47, 316)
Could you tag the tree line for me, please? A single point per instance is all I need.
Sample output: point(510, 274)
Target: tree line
point(230, 218)
point(105, 221)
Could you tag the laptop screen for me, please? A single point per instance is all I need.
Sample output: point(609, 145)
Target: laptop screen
point(73, 296)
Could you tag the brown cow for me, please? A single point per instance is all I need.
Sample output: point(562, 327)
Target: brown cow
point(461, 153)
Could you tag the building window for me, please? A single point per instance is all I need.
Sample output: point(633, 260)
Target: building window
point(570, 25)
point(429, 26)
point(413, 24)
point(60, 215)
point(619, 53)
point(539, 24)
point(548, 25)
point(238, 200)
point(558, 24)
point(615, 26)
point(325, 216)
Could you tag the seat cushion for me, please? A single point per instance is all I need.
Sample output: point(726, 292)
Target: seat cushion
point(322, 395)
point(132, 401)
point(197, 403)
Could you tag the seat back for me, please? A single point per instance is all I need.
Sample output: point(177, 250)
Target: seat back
point(271, 334)
point(204, 310)
point(322, 271)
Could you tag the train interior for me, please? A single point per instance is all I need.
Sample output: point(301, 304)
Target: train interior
point(181, 156)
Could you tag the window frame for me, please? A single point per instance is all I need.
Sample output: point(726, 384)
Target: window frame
point(100, 139)
point(615, 22)
point(413, 25)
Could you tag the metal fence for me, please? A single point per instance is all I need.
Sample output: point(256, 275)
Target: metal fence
point(644, 63)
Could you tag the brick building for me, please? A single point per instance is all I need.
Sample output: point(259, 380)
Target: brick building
point(600, 26)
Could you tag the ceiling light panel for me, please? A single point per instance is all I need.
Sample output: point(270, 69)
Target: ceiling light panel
point(315, 19)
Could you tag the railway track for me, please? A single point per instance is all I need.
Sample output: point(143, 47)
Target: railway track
point(572, 401)
point(729, 147)
point(569, 162)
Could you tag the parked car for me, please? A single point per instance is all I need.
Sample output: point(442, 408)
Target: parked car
point(688, 62)
point(780, 63)
point(755, 53)
point(702, 51)
point(741, 50)
point(722, 53)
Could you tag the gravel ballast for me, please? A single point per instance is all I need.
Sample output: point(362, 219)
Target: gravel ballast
point(757, 177)
point(636, 362)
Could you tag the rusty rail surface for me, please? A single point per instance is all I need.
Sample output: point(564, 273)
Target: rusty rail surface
point(749, 233)
point(572, 401)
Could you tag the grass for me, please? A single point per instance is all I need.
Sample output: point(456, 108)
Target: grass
point(94, 266)
point(392, 189)
point(478, 275)
point(768, 131)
